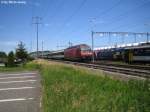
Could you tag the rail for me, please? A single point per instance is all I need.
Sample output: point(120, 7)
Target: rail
point(137, 71)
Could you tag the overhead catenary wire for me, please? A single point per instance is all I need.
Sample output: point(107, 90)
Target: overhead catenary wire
point(109, 9)
point(128, 27)
point(73, 14)
point(55, 13)
point(32, 5)
point(122, 17)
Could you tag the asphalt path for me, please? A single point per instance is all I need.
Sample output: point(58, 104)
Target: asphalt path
point(20, 92)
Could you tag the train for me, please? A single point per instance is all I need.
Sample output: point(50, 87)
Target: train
point(80, 52)
point(128, 54)
point(59, 55)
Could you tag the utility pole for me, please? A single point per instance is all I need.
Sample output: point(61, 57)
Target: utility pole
point(42, 49)
point(61, 46)
point(135, 37)
point(70, 44)
point(92, 46)
point(147, 37)
point(92, 36)
point(109, 40)
point(37, 22)
point(57, 46)
point(31, 46)
point(122, 38)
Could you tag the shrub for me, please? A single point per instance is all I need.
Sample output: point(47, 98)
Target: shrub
point(11, 59)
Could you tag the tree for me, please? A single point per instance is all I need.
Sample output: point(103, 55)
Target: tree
point(11, 59)
point(3, 57)
point(21, 52)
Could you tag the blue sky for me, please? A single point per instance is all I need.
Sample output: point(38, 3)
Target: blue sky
point(71, 20)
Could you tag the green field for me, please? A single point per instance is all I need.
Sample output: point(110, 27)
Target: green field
point(75, 89)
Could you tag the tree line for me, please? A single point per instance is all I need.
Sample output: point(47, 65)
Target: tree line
point(20, 56)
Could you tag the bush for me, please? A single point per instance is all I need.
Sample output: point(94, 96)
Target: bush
point(11, 60)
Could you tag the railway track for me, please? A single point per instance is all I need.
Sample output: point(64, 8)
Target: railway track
point(137, 71)
point(135, 66)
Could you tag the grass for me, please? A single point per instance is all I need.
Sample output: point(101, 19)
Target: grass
point(71, 89)
point(12, 69)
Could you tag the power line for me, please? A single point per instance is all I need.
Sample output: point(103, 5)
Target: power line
point(70, 44)
point(37, 22)
point(33, 5)
point(109, 9)
point(74, 13)
point(56, 11)
point(61, 46)
point(45, 11)
point(121, 16)
point(123, 34)
point(126, 26)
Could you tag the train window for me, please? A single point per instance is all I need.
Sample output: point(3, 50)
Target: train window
point(85, 49)
point(141, 52)
point(135, 52)
point(147, 50)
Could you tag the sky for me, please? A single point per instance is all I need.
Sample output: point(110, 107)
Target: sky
point(65, 21)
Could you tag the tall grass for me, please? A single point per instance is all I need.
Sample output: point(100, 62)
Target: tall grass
point(69, 89)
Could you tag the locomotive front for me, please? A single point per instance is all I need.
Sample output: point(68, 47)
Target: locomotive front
point(86, 52)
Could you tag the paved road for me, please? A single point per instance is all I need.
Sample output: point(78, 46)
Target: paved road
point(20, 92)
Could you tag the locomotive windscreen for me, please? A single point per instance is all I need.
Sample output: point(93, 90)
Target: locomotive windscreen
point(85, 48)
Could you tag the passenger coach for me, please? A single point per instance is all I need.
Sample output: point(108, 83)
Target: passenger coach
point(138, 54)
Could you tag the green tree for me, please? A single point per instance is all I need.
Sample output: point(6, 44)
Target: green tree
point(3, 57)
point(21, 52)
point(11, 59)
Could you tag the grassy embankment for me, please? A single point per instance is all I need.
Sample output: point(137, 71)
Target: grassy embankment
point(71, 89)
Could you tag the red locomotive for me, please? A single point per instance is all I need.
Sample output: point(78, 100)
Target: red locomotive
point(78, 53)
